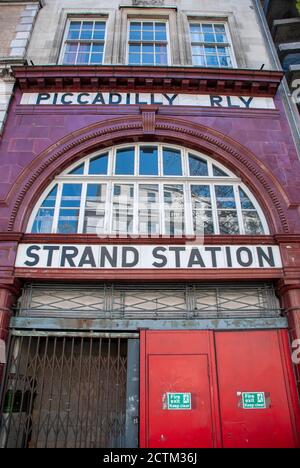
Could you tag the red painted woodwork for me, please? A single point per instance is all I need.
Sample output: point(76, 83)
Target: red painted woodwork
point(180, 361)
point(214, 367)
point(179, 373)
point(252, 361)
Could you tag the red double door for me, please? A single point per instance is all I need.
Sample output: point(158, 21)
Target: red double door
point(196, 385)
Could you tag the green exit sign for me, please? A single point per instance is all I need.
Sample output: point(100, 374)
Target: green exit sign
point(254, 400)
point(179, 401)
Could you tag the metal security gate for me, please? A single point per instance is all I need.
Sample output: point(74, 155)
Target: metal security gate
point(68, 390)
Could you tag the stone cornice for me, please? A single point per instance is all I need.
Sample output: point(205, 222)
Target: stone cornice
point(142, 79)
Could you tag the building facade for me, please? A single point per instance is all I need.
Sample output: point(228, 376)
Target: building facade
point(150, 232)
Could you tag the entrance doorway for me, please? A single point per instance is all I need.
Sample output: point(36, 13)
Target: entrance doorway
point(69, 390)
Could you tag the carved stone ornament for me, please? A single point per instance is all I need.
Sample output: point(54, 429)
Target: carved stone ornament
point(147, 2)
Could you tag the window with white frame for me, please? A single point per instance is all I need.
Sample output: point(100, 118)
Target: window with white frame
point(84, 42)
point(148, 43)
point(148, 189)
point(211, 45)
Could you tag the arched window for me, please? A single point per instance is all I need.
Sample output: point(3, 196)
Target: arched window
point(147, 189)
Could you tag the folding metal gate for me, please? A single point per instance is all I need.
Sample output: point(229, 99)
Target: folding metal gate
point(70, 390)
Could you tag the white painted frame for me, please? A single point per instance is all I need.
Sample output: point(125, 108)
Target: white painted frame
point(185, 179)
point(150, 20)
point(228, 44)
point(66, 31)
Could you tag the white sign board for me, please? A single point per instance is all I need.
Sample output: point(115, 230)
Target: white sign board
point(147, 256)
point(162, 99)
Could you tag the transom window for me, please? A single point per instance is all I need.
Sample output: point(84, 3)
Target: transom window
point(148, 189)
point(211, 45)
point(148, 44)
point(84, 42)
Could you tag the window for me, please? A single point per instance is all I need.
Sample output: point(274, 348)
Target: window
point(148, 189)
point(84, 42)
point(148, 44)
point(211, 45)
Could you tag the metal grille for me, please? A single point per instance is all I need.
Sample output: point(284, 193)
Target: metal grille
point(161, 301)
point(65, 390)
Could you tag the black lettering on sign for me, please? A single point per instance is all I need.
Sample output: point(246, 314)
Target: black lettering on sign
point(268, 257)
point(68, 253)
point(63, 98)
point(80, 100)
point(228, 256)
point(159, 256)
point(125, 261)
point(177, 251)
point(159, 103)
point(216, 101)
point(50, 249)
point(87, 258)
point(247, 102)
point(42, 97)
point(30, 254)
point(241, 262)
point(115, 98)
point(170, 98)
point(98, 98)
point(105, 255)
point(230, 103)
point(213, 251)
point(195, 258)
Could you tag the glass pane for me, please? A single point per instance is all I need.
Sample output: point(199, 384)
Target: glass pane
point(148, 59)
point(125, 161)
point(75, 24)
point(225, 196)
point(68, 221)
point(148, 48)
point(83, 58)
point(99, 35)
point(217, 172)
point(95, 209)
point(197, 37)
point(199, 60)
point(51, 198)
point(43, 221)
point(78, 170)
point(134, 58)
point(200, 195)
point(99, 164)
point(148, 209)
point(161, 59)
point(245, 201)
point(198, 167)
point(252, 223)
point(135, 48)
point(96, 58)
point(172, 162)
point(207, 28)
point(123, 197)
point(86, 34)
point(73, 34)
point(203, 222)
point(220, 38)
point(71, 195)
point(225, 61)
point(209, 38)
point(69, 59)
point(135, 26)
point(135, 35)
point(174, 209)
point(212, 61)
point(148, 26)
point(147, 36)
point(148, 161)
point(228, 222)
point(219, 28)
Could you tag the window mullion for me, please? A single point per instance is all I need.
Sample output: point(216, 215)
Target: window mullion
point(239, 209)
point(57, 207)
point(214, 209)
point(82, 208)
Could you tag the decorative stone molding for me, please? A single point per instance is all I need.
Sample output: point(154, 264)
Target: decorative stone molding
point(132, 128)
point(148, 2)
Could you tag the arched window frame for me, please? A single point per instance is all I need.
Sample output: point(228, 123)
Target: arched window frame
point(185, 179)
